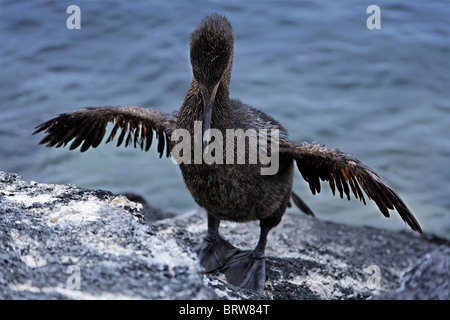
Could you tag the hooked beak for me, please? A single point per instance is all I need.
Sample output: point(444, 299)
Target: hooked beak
point(208, 103)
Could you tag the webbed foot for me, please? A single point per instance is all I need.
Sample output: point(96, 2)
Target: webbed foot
point(246, 269)
point(214, 251)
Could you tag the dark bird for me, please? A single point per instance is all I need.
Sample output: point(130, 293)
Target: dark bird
point(228, 191)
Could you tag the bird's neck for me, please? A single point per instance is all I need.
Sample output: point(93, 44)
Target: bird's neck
point(193, 105)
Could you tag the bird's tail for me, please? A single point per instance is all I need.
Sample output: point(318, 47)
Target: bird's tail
point(301, 204)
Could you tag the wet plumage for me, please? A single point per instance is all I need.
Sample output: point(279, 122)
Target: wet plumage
point(236, 192)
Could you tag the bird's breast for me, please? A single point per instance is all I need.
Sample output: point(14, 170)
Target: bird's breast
point(237, 192)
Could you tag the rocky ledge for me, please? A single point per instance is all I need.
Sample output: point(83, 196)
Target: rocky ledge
point(65, 242)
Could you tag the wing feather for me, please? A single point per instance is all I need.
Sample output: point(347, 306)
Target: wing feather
point(87, 128)
point(348, 175)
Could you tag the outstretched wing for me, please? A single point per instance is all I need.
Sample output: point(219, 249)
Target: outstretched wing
point(316, 162)
point(87, 127)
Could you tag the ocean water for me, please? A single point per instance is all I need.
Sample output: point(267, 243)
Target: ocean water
point(382, 95)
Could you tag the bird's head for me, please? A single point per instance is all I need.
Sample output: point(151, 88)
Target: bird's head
point(211, 49)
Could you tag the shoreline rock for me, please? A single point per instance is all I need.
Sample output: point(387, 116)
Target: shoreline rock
point(65, 242)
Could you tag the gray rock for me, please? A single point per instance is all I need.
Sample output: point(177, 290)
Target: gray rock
point(428, 278)
point(65, 242)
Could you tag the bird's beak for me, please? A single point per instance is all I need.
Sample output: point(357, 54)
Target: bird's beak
point(208, 102)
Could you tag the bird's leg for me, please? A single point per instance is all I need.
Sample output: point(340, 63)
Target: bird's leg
point(214, 250)
point(247, 269)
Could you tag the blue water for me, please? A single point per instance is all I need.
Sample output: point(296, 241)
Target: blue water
point(381, 95)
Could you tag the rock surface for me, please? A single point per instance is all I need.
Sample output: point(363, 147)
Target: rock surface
point(65, 242)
